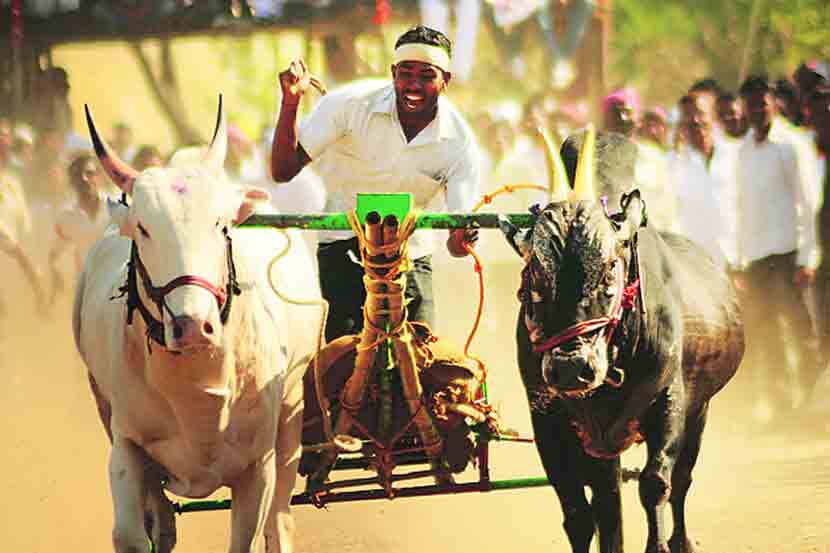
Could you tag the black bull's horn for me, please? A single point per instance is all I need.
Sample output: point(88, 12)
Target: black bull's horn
point(124, 176)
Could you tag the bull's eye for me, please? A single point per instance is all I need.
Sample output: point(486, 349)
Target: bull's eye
point(143, 231)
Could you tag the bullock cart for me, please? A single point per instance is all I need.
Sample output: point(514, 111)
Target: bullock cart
point(394, 400)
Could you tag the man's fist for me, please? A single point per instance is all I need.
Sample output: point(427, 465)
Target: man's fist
point(805, 277)
point(294, 81)
point(459, 239)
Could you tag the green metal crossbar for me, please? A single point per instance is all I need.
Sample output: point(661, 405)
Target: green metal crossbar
point(398, 205)
point(339, 221)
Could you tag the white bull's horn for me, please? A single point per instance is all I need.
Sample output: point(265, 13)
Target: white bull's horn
point(557, 178)
point(119, 172)
point(218, 150)
point(584, 182)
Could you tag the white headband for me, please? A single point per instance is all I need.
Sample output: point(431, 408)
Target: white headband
point(425, 53)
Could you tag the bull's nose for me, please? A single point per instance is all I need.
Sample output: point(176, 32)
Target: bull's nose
point(587, 374)
point(189, 332)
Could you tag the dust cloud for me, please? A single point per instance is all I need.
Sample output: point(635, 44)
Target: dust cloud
point(754, 493)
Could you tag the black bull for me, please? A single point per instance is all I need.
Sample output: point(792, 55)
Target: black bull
point(669, 338)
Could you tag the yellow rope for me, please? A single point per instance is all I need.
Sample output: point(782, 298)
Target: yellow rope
point(321, 336)
point(395, 274)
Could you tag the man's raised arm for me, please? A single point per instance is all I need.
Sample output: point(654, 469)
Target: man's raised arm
point(287, 154)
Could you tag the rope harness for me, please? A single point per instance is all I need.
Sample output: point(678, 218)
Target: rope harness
point(392, 273)
point(626, 297)
point(155, 328)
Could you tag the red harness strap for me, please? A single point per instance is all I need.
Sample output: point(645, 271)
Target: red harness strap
point(623, 299)
point(218, 293)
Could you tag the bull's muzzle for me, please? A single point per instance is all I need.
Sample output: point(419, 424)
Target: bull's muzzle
point(580, 369)
point(193, 333)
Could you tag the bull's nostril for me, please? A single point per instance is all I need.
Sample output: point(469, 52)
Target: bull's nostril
point(586, 375)
point(177, 332)
point(208, 328)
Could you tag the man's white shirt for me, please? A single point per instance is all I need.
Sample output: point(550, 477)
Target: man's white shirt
point(657, 190)
point(776, 202)
point(706, 196)
point(357, 144)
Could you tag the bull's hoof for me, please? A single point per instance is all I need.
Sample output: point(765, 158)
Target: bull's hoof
point(682, 544)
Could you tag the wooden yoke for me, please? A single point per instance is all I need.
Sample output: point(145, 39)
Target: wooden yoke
point(385, 262)
point(383, 250)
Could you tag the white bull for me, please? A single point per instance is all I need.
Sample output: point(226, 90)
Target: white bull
point(195, 392)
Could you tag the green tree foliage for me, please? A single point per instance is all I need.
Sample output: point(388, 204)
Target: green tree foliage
point(664, 45)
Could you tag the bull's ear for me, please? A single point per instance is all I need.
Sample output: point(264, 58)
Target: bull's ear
point(252, 196)
point(120, 215)
point(518, 239)
point(633, 215)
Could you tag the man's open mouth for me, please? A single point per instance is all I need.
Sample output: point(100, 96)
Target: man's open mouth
point(412, 100)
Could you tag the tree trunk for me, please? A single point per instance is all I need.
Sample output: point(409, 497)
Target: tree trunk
point(165, 88)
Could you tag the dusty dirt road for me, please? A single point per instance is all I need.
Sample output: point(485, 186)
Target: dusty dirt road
point(766, 493)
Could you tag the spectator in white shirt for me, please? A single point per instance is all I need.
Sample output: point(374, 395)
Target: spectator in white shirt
point(703, 175)
point(399, 137)
point(776, 247)
point(818, 105)
point(732, 116)
point(80, 223)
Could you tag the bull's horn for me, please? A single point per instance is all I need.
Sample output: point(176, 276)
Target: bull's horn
point(584, 182)
point(119, 172)
point(215, 156)
point(557, 178)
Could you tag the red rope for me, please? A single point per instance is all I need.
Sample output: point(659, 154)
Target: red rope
point(480, 272)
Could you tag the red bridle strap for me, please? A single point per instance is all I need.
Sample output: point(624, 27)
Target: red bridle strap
point(191, 280)
point(623, 299)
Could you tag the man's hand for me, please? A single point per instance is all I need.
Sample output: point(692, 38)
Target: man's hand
point(459, 239)
point(804, 277)
point(294, 81)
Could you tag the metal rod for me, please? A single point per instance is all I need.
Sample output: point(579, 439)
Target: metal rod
point(413, 491)
point(339, 221)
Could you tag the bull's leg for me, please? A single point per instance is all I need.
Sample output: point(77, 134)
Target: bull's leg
point(279, 527)
point(681, 480)
point(161, 523)
point(252, 494)
point(104, 407)
point(606, 503)
point(127, 482)
point(663, 430)
point(561, 455)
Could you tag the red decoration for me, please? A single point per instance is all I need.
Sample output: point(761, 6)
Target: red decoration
point(383, 12)
point(17, 23)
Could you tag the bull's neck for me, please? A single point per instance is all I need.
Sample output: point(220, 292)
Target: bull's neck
point(198, 386)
